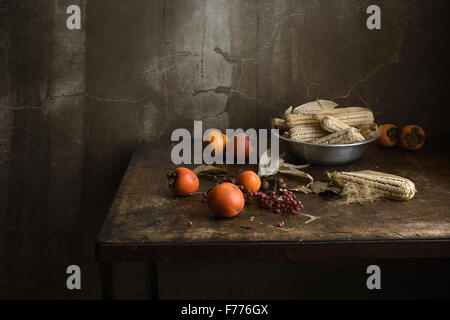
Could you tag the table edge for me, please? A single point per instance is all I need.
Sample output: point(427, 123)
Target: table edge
point(273, 251)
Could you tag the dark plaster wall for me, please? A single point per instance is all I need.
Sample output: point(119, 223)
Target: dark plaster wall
point(74, 104)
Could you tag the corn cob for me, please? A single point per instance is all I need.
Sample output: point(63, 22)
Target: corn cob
point(332, 125)
point(386, 185)
point(306, 134)
point(294, 120)
point(353, 116)
point(314, 107)
point(369, 131)
point(289, 110)
point(277, 123)
point(349, 135)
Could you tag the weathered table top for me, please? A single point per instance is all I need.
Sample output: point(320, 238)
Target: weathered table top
point(146, 222)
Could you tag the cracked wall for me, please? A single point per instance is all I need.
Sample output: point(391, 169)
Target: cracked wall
point(238, 63)
point(42, 141)
point(73, 105)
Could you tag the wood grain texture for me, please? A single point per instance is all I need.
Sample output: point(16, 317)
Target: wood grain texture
point(146, 213)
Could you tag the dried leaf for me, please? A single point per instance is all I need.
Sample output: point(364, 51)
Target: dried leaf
point(295, 172)
point(321, 186)
point(205, 169)
point(265, 167)
point(300, 188)
point(293, 166)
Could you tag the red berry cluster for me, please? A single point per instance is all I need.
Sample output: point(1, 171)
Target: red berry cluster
point(286, 203)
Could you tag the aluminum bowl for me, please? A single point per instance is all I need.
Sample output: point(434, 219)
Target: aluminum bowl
point(326, 154)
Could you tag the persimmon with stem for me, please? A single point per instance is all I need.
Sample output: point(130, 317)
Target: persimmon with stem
point(389, 135)
point(183, 181)
point(412, 137)
point(249, 180)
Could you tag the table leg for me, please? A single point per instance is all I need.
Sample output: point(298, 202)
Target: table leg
point(106, 278)
point(154, 292)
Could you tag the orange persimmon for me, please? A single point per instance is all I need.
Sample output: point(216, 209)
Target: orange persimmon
point(217, 141)
point(388, 135)
point(224, 137)
point(412, 137)
point(183, 181)
point(242, 147)
point(249, 180)
point(226, 200)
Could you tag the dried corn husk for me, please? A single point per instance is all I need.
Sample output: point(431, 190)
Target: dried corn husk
point(368, 185)
point(369, 131)
point(265, 165)
point(277, 123)
point(289, 110)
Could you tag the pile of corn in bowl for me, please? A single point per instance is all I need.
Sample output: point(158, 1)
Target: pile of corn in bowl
point(320, 122)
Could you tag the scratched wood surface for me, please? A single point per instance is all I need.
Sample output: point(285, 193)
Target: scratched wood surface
point(145, 212)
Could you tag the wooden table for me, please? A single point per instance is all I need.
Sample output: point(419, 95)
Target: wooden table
point(146, 223)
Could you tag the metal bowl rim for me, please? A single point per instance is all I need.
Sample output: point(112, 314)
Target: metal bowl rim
point(329, 145)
